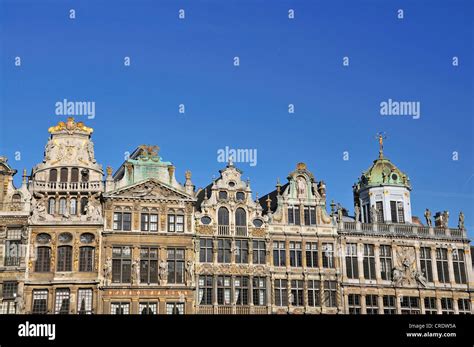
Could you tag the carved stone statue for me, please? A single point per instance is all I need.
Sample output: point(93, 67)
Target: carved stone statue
point(339, 213)
point(39, 210)
point(107, 270)
point(420, 277)
point(357, 213)
point(461, 221)
point(90, 151)
point(301, 187)
point(136, 271)
point(373, 214)
point(445, 218)
point(163, 272)
point(428, 218)
point(190, 272)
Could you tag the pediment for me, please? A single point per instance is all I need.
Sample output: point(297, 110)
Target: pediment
point(150, 189)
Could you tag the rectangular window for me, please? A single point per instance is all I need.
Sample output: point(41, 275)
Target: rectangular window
point(297, 297)
point(410, 305)
point(12, 252)
point(223, 250)
point(281, 292)
point(314, 293)
point(259, 252)
point(121, 264)
point(241, 251)
point(40, 301)
point(122, 221)
point(224, 290)
point(400, 212)
point(295, 254)
point(330, 293)
point(119, 308)
point(117, 220)
point(389, 306)
point(354, 304)
point(145, 222)
point(148, 308)
point(309, 215)
point(205, 250)
point(379, 207)
point(176, 223)
point(84, 301)
point(294, 215)
point(279, 253)
point(174, 308)
point(86, 259)
point(425, 263)
point(8, 307)
point(447, 306)
point(430, 306)
point(393, 211)
point(352, 266)
point(43, 259)
point(241, 290)
point(464, 306)
point(386, 262)
point(328, 255)
point(62, 301)
point(9, 290)
point(259, 291)
point(442, 265)
point(64, 258)
point(175, 265)
point(148, 265)
point(369, 262)
point(312, 254)
point(205, 290)
point(371, 304)
point(459, 267)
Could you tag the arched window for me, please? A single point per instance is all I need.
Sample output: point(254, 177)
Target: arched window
point(241, 222)
point(73, 206)
point(75, 174)
point(223, 216)
point(64, 258)
point(64, 174)
point(51, 206)
point(53, 175)
point(83, 205)
point(86, 259)
point(62, 206)
point(43, 259)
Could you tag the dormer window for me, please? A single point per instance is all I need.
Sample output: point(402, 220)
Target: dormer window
point(240, 196)
point(222, 195)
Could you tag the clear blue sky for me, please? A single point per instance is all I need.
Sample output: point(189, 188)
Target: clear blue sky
point(282, 61)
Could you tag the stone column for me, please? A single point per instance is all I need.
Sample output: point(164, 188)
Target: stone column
point(438, 304)
point(363, 306)
point(360, 261)
point(451, 267)
point(434, 268)
point(378, 275)
point(380, 303)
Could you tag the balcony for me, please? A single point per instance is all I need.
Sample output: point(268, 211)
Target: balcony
point(67, 186)
point(223, 230)
point(12, 261)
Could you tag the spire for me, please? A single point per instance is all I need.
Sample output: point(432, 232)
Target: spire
point(278, 186)
point(381, 136)
point(24, 177)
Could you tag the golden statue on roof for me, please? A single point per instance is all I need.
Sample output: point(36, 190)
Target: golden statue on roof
point(70, 126)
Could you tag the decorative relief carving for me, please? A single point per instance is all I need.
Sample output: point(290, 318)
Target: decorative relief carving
point(258, 232)
point(204, 230)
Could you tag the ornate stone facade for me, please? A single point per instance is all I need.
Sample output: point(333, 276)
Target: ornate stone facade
point(139, 241)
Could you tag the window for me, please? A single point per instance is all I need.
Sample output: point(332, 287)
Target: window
point(223, 250)
point(295, 254)
point(121, 264)
point(281, 292)
point(74, 175)
point(294, 215)
point(314, 293)
point(148, 265)
point(224, 290)
point(369, 262)
point(176, 223)
point(64, 174)
point(222, 195)
point(379, 207)
point(330, 294)
point(12, 252)
point(40, 301)
point(425, 263)
point(464, 306)
point(410, 305)
point(223, 216)
point(62, 206)
point(240, 196)
point(309, 215)
point(205, 251)
point(447, 306)
point(242, 251)
point(147, 307)
point(386, 262)
point(175, 265)
point(241, 290)
point(241, 222)
point(206, 220)
point(122, 221)
point(259, 291)
point(62, 301)
point(43, 259)
point(205, 290)
point(393, 211)
point(9, 290)
point(119, 308)
point(371, 304)
point(352, 267)
point(257, 222)
point(311, 254)
point(84, 203)
point(8, 307)
point(64, 258)
point(297, 297)
point(459, 267)
point(87, 238)
point(389, 306)
point(354, 303)
point(366, 215)
point(51, 206)
point(53, 175)
point(174, 308)
point(84, 301)
point(442, 265)
point(279, 253)
point(149, 222)
point(73, 206)
point(86, 259)
point(328, 255)
point(259, 252)
point(430, 306)
point(400, 212)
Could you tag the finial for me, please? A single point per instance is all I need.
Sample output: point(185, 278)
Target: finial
point(109, 170)
point(301, 166)
point(278, 185)
point(256, 197)
point(381, 136)
point(269, 201)
point(187, 174)
point(231, 162)
point(24, 176)
point(205, 193)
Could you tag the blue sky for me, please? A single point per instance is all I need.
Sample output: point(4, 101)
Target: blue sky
point(282, 61)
